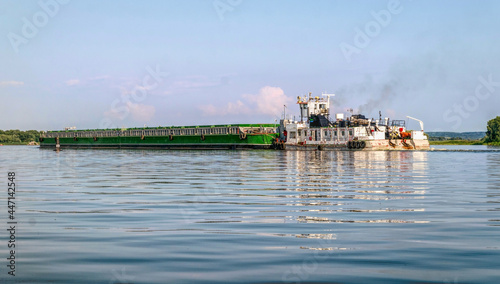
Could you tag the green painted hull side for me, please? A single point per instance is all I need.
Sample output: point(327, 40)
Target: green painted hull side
point(263, 141)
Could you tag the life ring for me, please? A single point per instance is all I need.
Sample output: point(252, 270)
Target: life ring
point(243, 135)
point(362, 144)
point(405, 135)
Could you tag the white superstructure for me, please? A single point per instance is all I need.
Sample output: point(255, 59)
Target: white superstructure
point(317, 130)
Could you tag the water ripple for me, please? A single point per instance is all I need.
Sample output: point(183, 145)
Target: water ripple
point(257, 216)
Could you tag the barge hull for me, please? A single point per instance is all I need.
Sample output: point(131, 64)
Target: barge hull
point(252, 141)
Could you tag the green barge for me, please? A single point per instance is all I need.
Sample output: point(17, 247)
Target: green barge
point(240, 136)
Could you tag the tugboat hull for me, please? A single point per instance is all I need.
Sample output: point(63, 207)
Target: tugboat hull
point(374, 145)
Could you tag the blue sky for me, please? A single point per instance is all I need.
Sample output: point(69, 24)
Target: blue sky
point(94, 64)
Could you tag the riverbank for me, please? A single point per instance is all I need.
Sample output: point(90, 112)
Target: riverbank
point(19, 144)
point(456, 142)
point(462, 142)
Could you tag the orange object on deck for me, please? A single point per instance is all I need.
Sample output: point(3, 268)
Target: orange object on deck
point(405, 135)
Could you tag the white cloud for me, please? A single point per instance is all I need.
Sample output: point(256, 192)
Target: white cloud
point(181, 85)
point(137, 92)
point(269, 101)
point(194, 84)
point(11, 83)
point(117, 113)
point(72, 82)
point(198, 82)
point(141, 112)
point(208, 110)
point(231, 108)
point(99, 78)
point(92, 81)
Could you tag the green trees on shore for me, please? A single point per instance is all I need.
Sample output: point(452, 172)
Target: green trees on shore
point(492, 136)
point(18, 136)
point(493, 131)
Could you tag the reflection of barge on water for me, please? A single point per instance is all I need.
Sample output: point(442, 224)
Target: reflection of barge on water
point(316, 131)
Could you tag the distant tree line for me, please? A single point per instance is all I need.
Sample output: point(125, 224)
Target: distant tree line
point(491, 137)
point(444, 136)
point(18, 136)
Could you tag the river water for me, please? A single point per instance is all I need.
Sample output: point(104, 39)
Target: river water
point(146, 216)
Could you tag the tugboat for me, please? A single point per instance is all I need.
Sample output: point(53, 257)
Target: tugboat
point(317, 131)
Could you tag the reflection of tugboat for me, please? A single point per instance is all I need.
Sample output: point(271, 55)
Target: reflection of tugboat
point(317, 131)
